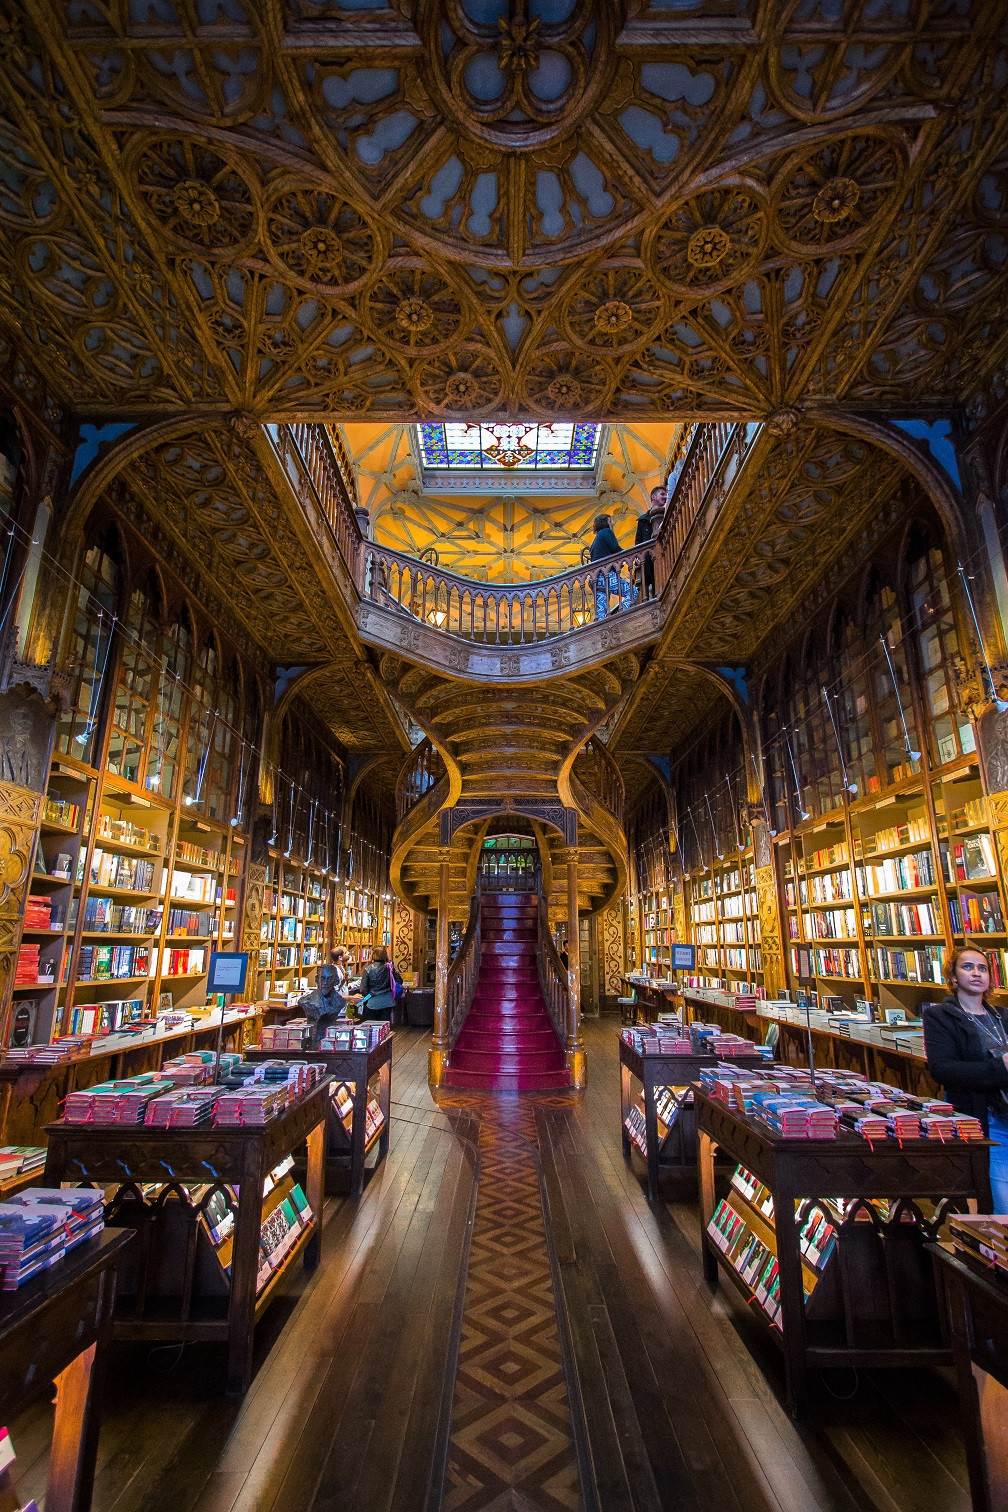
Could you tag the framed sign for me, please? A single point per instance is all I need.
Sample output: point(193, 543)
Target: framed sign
point(683, 957)
point(228, 970)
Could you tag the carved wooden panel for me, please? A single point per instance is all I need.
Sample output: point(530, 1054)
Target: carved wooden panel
point(403, 935)
point(613, 953)
point(770, 929)
point(20, 810)
point(252, 912)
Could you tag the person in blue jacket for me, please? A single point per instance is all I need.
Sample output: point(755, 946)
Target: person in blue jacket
point(605, 545)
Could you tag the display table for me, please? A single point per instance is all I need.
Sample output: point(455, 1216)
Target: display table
point(976, 1311)
point(32, 1095)
point(346, 1149)
point(876, 1051)
point(55, 1328)
point(655, 1072)
point(240, 1157)
point(874, 1302)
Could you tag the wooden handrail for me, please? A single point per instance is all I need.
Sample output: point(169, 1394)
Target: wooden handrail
point(463, 973)
point(311, 446)
point(552, 977)
point(598, 773)
point(420, 772)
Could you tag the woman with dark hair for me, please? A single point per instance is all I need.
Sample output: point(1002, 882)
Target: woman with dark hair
point(966, 1043)
point(379, 979)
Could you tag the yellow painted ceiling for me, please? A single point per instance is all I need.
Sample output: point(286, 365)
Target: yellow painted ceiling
point(511, 537)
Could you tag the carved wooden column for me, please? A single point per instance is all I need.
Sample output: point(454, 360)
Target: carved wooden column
point(438, 1057)
point(574, 1048)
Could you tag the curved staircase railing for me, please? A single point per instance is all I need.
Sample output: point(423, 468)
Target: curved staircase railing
point(499, 614)
point(552, 976)
point(419, 773)
point(599, 775)
point(463, 973)
point(715, 455)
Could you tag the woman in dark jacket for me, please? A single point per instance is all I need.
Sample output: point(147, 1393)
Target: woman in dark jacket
point(377, 980)
point(966, 1043)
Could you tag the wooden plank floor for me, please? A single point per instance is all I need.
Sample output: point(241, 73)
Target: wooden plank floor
point(679, 1389)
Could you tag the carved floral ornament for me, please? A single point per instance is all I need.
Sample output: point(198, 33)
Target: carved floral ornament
point(509, 163)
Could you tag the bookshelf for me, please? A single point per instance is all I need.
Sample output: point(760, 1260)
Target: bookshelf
point(658, 930)
point(296, 931)
point(724, 914)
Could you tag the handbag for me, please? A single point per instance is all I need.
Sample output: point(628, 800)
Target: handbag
point(397, 989)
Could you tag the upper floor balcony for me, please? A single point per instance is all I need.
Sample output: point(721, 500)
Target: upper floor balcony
point(515, 631)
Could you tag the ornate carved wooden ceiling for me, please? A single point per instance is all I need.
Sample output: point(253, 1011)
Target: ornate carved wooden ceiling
point(503, 539)
point(621, 210)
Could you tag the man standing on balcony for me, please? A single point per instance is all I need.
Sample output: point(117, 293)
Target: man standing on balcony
point(648, 525)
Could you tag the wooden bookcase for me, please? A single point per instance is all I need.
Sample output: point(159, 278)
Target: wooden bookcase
point(296, 933)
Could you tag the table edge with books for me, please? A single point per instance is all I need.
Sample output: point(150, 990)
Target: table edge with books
point(358, 1066)
point(846, 1166)
point(24, 1081)
point(975, 1307)
point(239, 1156)
point(55, 1329)
point(654, 1072)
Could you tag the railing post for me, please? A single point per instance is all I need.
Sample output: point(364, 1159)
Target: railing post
point(438, 1055)
point(574, 1048)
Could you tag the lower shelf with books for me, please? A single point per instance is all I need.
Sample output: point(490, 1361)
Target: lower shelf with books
point(360, 1105)
point(826, 1239)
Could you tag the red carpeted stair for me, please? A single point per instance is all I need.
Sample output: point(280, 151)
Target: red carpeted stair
point(507, 1043)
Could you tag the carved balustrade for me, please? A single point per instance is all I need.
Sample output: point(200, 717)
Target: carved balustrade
point(464, 970)
point(716, 453)
point(312, 447)
point(498, 614)
point(599, 775)
point(423, 770)
point(552, 977)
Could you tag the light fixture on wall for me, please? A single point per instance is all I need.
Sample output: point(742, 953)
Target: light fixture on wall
point(1000, 703)
point(236, 820)
point(850, 786)
point(914, 755)
point(803, 812)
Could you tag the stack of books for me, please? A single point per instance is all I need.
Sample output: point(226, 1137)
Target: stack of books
point(795, 1117)
point(256, 1103)
point(290, 1036)
point(44, 1055)
point(19, 1160)
point(31, 1239)
point(903, 1123)
point(115, 1102)
point(184, 1107)
point(26, 972)
point(981, 1236)
point(81, 1210)
point(38, 912)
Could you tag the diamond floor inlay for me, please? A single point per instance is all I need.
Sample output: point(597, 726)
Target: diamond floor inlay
point(511, 1442)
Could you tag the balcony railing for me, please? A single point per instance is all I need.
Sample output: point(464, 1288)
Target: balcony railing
point(314, 448)
point(421, 772)
point(496, 614)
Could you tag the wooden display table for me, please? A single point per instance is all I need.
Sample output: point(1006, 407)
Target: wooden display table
point(241, 1157)
point(875, 1303)
point(348, 1151)
point(32, 1096)
point(655, 1072)
point(976, 1310)
point(55, 1328)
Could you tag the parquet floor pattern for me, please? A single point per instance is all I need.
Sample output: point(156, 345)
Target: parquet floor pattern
point(511, 1442)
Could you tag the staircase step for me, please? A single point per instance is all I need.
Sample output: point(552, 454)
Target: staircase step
point(528, 1081)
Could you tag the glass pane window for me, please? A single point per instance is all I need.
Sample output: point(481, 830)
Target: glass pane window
point(86, 653)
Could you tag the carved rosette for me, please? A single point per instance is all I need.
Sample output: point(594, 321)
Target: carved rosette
point(255, 890)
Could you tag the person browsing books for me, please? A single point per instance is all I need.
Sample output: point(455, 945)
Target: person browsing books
point(378, 981)
point(966, 1044)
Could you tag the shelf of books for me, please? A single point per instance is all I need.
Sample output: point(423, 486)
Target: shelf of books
point(128, 896)
point(874, 900)
point(365, 919)
point(725, 926)
point(658, 926)
point(296, 929)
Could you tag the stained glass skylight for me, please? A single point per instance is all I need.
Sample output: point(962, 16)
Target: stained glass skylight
point(524, 456)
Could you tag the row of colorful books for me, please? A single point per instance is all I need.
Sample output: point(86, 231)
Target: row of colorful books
point(40, 1225)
